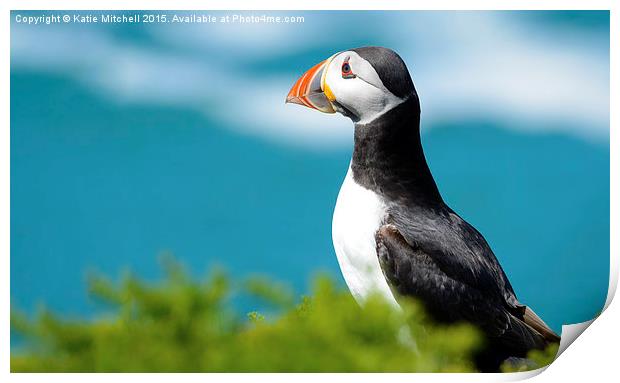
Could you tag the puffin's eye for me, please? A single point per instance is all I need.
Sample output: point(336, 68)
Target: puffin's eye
point(346, 69)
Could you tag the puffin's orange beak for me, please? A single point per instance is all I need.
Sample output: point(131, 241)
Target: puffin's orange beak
point(310, 90)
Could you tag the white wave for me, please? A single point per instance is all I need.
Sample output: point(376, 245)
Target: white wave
point(464, 66)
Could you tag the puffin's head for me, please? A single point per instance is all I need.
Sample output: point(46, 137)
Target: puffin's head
point(361, 83)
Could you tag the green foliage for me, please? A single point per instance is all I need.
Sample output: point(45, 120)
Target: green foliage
point(180, 324)
point(535, 359)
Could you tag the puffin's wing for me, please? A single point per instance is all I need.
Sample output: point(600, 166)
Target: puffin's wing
point(461, 253)
point(412, 272)
point(458, 249)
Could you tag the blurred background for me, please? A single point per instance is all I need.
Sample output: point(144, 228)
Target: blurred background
point(129, 140)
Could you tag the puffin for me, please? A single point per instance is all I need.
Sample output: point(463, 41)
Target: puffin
point(393, 233)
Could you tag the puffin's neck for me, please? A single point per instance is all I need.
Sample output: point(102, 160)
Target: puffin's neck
point(388, 157)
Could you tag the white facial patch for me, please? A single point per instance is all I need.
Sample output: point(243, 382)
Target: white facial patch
point(364, 95)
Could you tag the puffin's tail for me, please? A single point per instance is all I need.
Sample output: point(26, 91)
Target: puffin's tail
point(531, 319)
point(525, 332)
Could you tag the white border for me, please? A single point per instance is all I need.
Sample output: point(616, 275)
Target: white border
point(592, 356)
point(310, 5)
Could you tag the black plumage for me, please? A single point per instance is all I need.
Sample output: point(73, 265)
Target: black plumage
point(392, 67)
point(425, 249)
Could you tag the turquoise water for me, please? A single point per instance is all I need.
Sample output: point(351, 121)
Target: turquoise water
point(103, 188)
point(98, 184)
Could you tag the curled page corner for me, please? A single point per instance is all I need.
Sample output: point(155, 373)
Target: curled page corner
point(570, 332)
point(573, 331)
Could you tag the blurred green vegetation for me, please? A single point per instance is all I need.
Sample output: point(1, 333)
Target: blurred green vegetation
point(183, 325)
point(535, 359)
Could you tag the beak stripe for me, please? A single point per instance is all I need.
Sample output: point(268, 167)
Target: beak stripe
point(328, 93)
point(303, 87)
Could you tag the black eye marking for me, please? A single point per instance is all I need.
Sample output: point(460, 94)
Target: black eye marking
point(346, 69)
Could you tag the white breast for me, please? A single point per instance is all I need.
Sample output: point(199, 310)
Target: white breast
point(357, 216)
